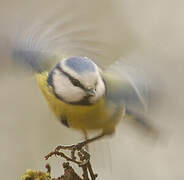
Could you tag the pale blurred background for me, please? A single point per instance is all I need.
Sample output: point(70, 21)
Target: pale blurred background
point(144, 32)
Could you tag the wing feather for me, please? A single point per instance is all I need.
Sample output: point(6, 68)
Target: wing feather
point(126, 85)
point(46, 42)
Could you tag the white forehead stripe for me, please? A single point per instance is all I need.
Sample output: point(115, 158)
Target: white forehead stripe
point(80, 64)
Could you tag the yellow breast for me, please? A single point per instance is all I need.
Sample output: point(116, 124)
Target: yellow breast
point(83, 117)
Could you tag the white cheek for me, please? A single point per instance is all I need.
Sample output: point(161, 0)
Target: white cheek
point(65, 89)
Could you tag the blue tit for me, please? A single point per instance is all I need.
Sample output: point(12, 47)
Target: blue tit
point(84, 98)
point(81, 95)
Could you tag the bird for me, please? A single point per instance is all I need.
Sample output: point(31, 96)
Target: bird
point(82, 95)
point(84, 98)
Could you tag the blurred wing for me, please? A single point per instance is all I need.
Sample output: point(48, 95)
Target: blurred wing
point(127, 85)
point(38, 59)
point(71, 28)
point(55, 37)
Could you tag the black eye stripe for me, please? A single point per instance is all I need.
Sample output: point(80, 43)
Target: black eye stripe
point(74, 81)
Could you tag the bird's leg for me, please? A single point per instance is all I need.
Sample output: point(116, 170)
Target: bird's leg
point(80, 145)
point(87, 141)
point(86, 138)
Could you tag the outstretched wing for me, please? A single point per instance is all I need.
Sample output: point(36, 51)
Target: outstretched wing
point(34, 57)
point(126, 85)
point(56, 37)
point(129, 86)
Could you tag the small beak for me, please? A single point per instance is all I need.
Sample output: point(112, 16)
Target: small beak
point(91, 91)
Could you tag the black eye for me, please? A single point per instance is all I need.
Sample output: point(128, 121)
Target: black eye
point(75, 82)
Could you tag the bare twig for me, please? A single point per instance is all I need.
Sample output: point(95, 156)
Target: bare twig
point(61, 155)
point(48, 167)
point(83, 160)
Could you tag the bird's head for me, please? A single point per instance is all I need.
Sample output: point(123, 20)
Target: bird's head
point(77, 80)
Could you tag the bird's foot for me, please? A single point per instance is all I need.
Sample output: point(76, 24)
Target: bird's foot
point(73, 148)
point(78, 147)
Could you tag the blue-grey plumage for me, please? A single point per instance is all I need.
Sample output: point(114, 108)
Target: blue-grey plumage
point(37, 59)
point(80, 64)
point(129, 86)
point(46, 43)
